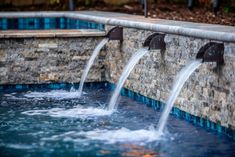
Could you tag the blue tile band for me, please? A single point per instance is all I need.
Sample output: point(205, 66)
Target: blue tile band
point(50, 86)
point(155, 104)
point(47, 24)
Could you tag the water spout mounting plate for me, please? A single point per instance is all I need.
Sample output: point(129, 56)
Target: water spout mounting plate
point(155, 41)
point(115, 33)
point(212, 52)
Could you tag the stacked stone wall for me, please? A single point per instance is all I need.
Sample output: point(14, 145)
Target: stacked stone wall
point(206, 94)
point(45, 60)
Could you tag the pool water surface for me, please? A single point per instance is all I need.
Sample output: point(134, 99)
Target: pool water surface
point(44, 123)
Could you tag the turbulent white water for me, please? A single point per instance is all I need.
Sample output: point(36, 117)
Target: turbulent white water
point(126, 72)
point(90, 63)
point(141, 136)
point(54, 94)
point(76, 112)
point(121, 135)
point(181, 78)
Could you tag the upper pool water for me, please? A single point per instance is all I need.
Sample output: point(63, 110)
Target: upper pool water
point(46, 24)
point(56, 123)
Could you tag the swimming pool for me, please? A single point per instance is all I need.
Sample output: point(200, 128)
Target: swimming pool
point(47, 24)
point(38, 122)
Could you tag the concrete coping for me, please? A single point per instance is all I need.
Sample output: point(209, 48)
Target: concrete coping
point(51, 33)
point(197, 30)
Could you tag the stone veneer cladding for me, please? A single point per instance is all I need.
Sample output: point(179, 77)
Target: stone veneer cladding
point(44, 60)
point(206, 94)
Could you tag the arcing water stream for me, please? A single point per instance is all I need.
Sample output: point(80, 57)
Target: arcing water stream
point(126, 72)
point(90, 63)
point(181, 78)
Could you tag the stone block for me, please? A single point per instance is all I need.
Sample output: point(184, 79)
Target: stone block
point(3, 55)
point(29, 56)
point(49, 77)
point(3, 71)
point(80, 58)
point(49, 46)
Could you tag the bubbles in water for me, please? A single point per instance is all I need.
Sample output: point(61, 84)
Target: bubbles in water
point(17, 146)
point(122, 135)
point(54, 94)
point(76, 112)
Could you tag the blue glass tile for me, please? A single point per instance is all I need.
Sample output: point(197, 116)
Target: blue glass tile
point(3, 24)
point(62, 23)
point(12, 24)
point(143, 99)
point(218, 128)
point(28, 23)
point(153, 103)
point(207, 123)
point(47, 23)
point(19, 86)
point(187, 117)
point(54, 86)
point(123, 92)
point(194, 120)
point(62, 85)
point(202, 122)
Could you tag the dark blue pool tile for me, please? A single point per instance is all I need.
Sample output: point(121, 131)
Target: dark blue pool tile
point(28, 23)
point(3, 24)
point(51, 86)
point(19, 87)
point(12, 24)
point(50, 23)
point(47, 23)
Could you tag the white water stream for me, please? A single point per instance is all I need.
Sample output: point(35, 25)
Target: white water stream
point(126, 72)
point(181, 78)
point(90, 63)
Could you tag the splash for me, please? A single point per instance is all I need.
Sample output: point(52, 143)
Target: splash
point(126, 72)
point(76, 112)
point(54, 94)
point(122, 135)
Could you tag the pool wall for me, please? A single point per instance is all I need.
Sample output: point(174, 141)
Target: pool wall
point(206, 94)
point(45, 60)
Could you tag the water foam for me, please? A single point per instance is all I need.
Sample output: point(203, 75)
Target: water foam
point(76, 112)
point(18, 146)
point(122, 135)
point(54, 94)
